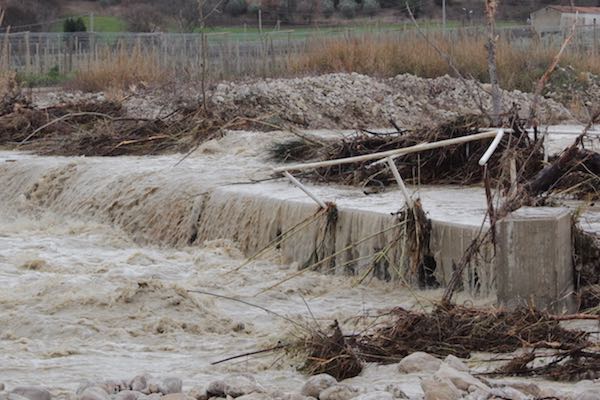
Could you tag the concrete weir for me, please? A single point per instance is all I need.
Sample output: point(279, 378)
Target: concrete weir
point(366, 236)
point(532, 264)
point(156, 203)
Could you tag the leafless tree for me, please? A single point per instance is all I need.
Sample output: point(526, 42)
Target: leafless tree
point(491, 7)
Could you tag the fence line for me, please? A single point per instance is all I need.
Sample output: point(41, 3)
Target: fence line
point(228, 54)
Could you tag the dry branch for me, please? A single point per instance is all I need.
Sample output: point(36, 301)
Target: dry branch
point(447, 329)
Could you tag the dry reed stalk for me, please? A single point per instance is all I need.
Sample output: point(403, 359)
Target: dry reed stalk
point(386, 55)
point(121, 69)
point(490, 12)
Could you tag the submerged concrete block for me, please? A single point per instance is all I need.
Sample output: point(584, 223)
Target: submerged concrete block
point(533, 260)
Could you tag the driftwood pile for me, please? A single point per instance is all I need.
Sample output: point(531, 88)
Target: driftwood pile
point(456, 330)
point(578, 176)
point(102, 128)
point(456, 164)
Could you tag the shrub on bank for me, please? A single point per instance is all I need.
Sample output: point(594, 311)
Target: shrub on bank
point(236, 7)
point(370, 7)
point(348, 8)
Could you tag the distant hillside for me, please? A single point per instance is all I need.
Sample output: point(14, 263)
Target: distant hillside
point(183, 15)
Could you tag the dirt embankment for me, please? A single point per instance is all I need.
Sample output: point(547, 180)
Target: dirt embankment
point(354, 100)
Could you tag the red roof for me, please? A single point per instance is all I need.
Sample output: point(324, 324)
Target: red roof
point(580, 10)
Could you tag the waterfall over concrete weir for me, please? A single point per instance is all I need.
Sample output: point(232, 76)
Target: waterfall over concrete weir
point(210, 196)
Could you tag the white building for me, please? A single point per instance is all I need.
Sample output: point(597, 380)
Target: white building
point(553, 19)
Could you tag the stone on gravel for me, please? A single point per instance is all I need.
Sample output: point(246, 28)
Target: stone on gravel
point(113, 386)
point(456, 363)
point(316, 384)
point(170, 385)
point(338, 392)
point(529, 389)
point(198, 393)
point(93, 393)
point(290, 396)
point(396, 391)
point(11, 396)
point(234, 386)
point(436, 388)
point(32, 392)
point(419, 362)
point(377, 395)
point(507, 393)
point(255, 396)
point(2, 387)
point(176, 396)
point(140, 382)
point(590, 394)
point(462, 380)
point(129, 395)
point(151, 388)
point(84, 385)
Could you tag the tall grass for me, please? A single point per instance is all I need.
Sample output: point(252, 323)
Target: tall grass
point(120, 69)
point(520, 64)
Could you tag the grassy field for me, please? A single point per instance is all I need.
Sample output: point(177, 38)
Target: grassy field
point(241, 32)
point(303, 32)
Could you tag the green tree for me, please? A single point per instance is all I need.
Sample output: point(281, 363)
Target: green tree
point(327, 8)
point(74, 25)
point(348, 8)
point(370, 7)
point(236, 7)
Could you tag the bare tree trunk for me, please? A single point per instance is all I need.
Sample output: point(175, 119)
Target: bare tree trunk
point(490, 12)
point(204, 52)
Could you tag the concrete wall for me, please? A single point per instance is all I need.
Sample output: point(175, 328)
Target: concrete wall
point(546, 20)
point(549, 20)
point(534, 259)
point(255, 220)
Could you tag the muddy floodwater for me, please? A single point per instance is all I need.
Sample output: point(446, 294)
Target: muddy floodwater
point(89, 291)
point(80, 301)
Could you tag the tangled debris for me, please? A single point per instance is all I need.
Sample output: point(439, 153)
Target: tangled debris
point(448, 329)
point(457, 330)
point(564, 365)
point(11, 95)
point(579, 177)
point(329, 353)
point(102, 128)
point(454, 164)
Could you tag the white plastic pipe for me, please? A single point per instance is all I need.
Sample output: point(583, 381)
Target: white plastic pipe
point(546, 146)
point(390, 153)
point(513, 176)
point(488, 153)
point(398, 178)
point(300, 186)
